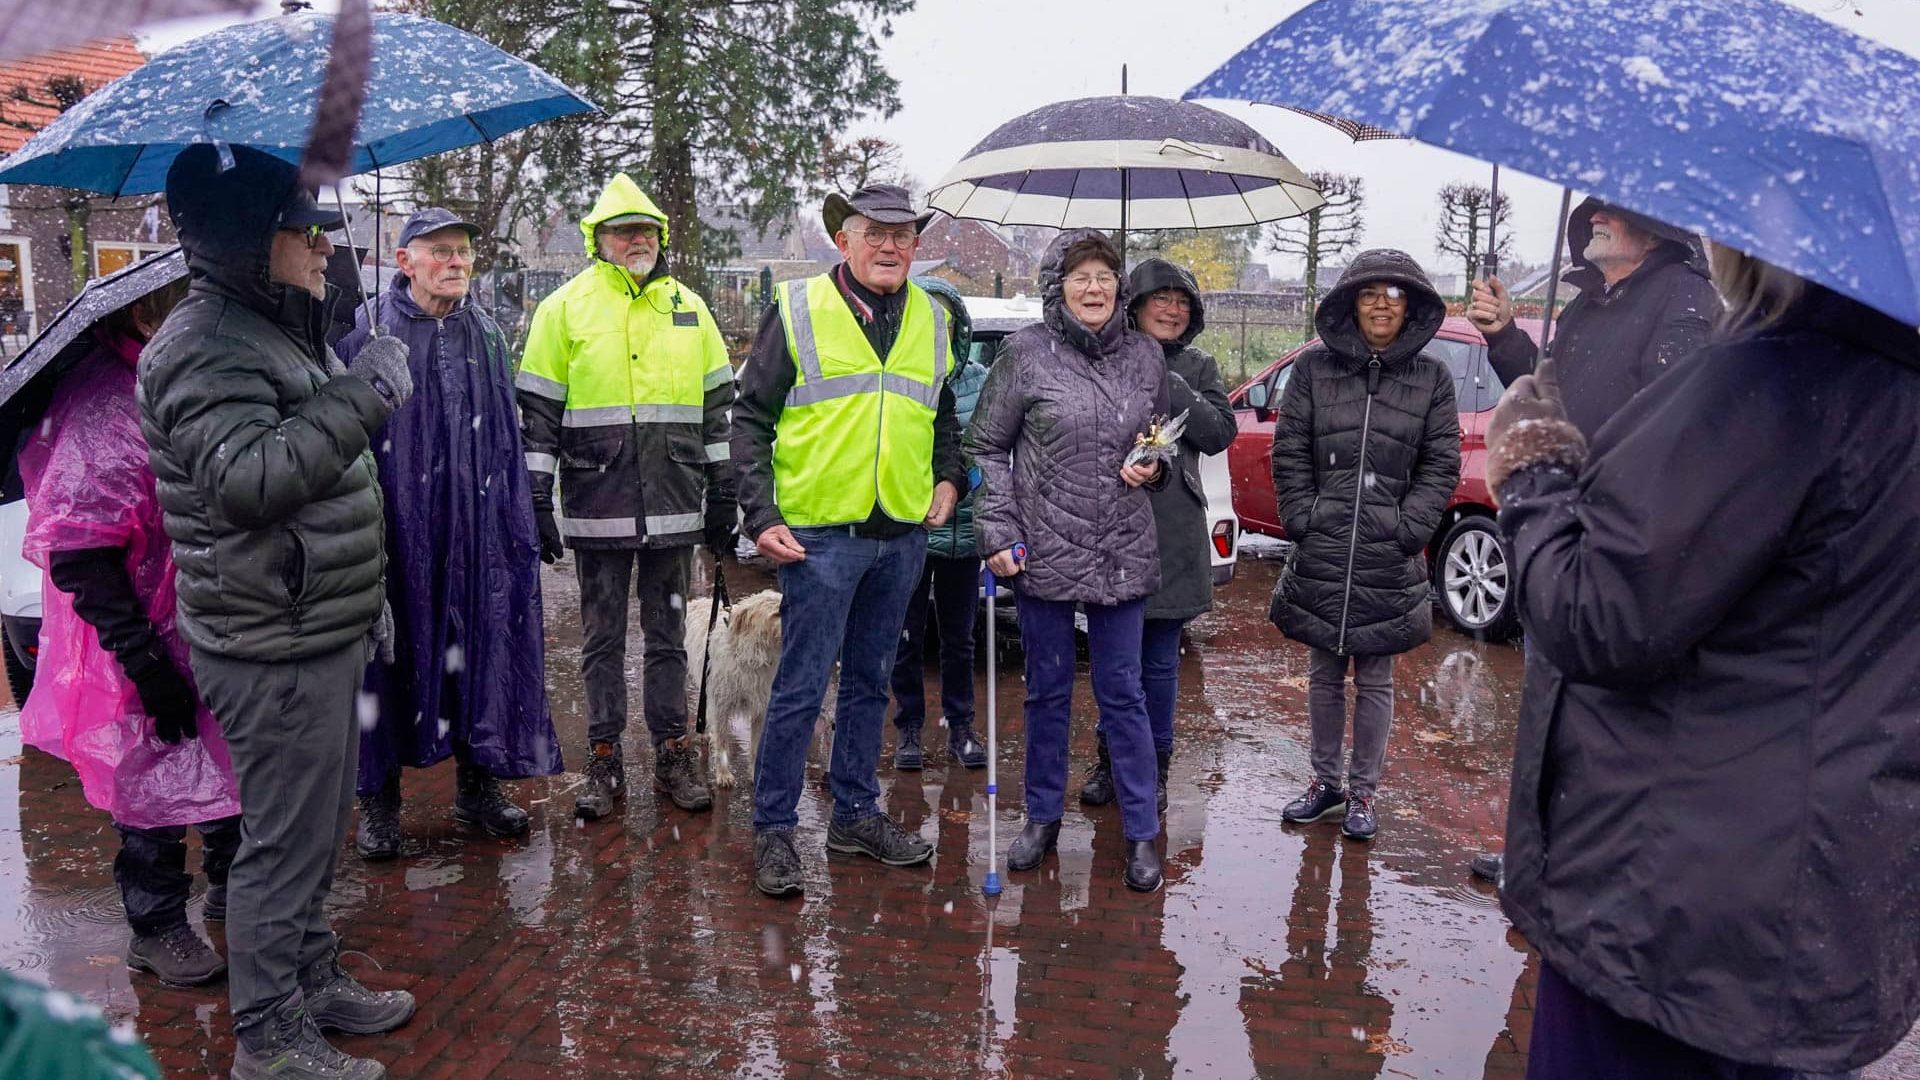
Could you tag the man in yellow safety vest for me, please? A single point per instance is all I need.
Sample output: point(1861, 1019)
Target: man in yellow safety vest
point(847, 450)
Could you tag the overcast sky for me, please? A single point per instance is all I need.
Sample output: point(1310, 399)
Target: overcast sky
point(966, 66)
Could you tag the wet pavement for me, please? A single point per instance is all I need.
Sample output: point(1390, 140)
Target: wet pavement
point(638, 945)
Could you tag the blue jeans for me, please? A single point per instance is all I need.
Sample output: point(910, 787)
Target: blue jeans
point(845, 601)
point(1113, 636)
point(1160, 676)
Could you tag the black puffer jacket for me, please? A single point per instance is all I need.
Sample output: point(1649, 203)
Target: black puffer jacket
point(1366, 453)
point(1059, 412)
point(1180, 508)
point(1611, 343)
point(258, 440)
point(1714, 804)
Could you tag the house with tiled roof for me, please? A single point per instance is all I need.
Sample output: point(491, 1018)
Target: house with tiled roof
point(47, 234)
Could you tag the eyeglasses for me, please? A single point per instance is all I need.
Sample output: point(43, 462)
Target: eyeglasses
point(631, 233)
point(446, 252)
point(310, 233)
point(1177, 301)
point(1392, 295)
point(1084, 280)
point(902, 238)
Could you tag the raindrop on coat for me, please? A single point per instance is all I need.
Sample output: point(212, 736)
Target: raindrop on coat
point(476, 423)
point(456, 659)
point(1333, 459)
point(445, 726)
point(677, 602)
point(368, 707)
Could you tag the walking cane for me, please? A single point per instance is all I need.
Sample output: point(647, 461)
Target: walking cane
point(991, 886)
point(720, 600)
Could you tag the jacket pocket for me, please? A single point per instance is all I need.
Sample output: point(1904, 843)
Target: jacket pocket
point(295, 574)
point(687, 450)
point(592, 448)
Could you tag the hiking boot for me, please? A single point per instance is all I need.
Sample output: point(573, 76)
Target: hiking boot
point(478, 802)
point(1166, 761)
point(379, 834)
point(606, 782)
point(908, 756)
point(177, 955)
point(338, 1001)
point(1098, 788)
point(964, 748)
point(1319, 800)
point(289, 1046)
point(1143, 866)
point(1030, 848)
point(776, 865)
point(1489, 865)
point(879, 836)
point(1360, 823)
point(676, 773)
point(216, 906)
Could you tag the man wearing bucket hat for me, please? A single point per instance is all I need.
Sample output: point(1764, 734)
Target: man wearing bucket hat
point(848, 450)
point(624, 392)
point(261, 448)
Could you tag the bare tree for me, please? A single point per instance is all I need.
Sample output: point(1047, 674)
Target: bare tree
point(854, 164)
point(1323, 232)
point(1466, 214)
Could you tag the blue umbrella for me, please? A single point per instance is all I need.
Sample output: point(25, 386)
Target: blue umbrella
point(433, 88)
point(1125, 162)
point(1768, 129)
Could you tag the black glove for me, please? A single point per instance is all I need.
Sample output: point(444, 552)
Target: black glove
point(721, 537)
point(551, 546)
point(164, 694)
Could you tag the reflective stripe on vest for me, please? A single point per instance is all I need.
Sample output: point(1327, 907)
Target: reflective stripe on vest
point(849, 417)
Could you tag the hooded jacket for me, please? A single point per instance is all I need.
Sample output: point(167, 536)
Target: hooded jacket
point(1713, 808)
point(1609, 344)
point(258, 438)
point(1060, 410)
point(1366, 453)
point(1180, 508)
point(624, 388)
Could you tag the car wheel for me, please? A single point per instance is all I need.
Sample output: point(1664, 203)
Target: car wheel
point(19, 675)
point(1472, 575)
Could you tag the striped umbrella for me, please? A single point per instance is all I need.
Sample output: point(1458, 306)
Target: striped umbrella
point(1125, 162)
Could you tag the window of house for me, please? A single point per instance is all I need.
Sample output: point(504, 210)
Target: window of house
point(16, 286)
point(111, 256)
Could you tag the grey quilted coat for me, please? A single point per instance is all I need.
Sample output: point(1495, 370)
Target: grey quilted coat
point(1059, 412)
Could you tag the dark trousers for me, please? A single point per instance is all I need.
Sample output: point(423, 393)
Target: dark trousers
point(1578, 1038)
point(1113, 637)
point(294, 737)
point(660, 584)
point(954, 585)
point(1372, 717)
point(1160, 676)
point(151, 870)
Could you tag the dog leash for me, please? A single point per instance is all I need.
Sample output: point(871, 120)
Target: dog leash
point(721, 600)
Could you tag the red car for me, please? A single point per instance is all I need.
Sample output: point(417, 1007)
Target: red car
point(1468, 558)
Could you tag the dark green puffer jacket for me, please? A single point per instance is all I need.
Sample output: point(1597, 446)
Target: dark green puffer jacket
point(259, 441)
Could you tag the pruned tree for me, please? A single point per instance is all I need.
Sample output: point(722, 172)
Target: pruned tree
point(1466, 214)
point(1323, 233)
point(57, 93)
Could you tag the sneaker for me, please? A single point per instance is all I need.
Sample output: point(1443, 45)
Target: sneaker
point(776, 865)
point(677, 774)
point(965, 749)
point(289, 1046)
point(1319, 800)
point(606, 782)
point(338, 1001)
point(1489, 865)
point(177, 956)
point(1360, 823)
point(1098, 788)
point(478, 802)
point(908, 756)
point(379, 834)
point(879, 836)
point(216, 906)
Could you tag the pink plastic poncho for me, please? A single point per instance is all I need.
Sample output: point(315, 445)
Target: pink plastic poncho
point(89, 486)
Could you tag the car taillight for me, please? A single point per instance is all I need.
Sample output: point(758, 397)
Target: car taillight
point(1223, 537)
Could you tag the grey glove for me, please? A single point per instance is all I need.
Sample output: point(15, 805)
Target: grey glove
point(382, 362)
point(382, 634)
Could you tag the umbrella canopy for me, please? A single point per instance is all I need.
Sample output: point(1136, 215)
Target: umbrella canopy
point(433, 88)
point(26, 384)
point(1768, 129)
point(1125, 162)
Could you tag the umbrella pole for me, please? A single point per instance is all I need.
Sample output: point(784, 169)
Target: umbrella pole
point(1491, 261)
point(1553, 275)
point(346, 226)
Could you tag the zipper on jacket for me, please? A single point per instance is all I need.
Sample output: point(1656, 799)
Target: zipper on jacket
point(1359, 482)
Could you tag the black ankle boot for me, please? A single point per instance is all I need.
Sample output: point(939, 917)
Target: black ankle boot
point(1098, 788)
point(1166, 759)
point(1143, 866)
point(1031, 846)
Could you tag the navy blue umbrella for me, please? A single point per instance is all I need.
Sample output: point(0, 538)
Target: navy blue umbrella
point(1768, 129)
point(1125, 162)
point(432, 88)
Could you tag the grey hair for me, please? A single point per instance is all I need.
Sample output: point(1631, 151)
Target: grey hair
point(1757, 293)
